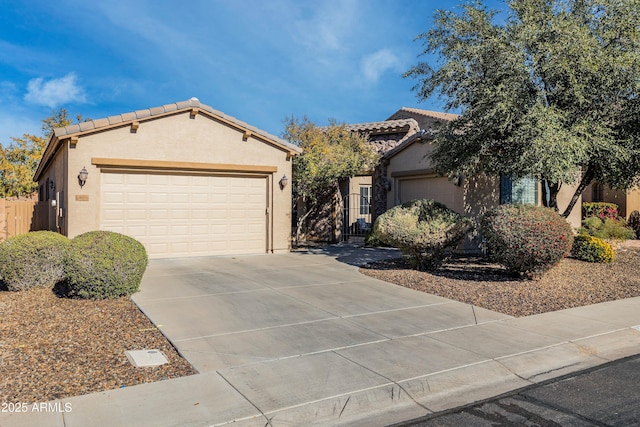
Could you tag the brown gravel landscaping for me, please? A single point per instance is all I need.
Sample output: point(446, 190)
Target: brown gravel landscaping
point(571, 283)
point(52, 348)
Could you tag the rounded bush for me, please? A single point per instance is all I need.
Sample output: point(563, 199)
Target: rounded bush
point(592, 249)
point(424, 230)
point(103, 264)
point(34, 259)
point(526, 240)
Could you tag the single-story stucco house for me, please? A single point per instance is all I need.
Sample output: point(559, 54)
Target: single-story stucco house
point(411, 175)
point(183, 178)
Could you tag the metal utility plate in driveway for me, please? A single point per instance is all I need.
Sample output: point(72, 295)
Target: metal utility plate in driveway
point(143, 358)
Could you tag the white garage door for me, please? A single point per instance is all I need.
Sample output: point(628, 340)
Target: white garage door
point(439, 189)
point(187, 215)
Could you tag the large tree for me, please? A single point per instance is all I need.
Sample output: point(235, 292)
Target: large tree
point(19, 160)
point(330, 154)
point(550, 91)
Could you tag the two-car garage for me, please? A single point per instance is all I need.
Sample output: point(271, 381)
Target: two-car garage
point(187, 215)
point(183, 178)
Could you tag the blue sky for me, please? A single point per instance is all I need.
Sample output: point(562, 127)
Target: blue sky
point(257, 60)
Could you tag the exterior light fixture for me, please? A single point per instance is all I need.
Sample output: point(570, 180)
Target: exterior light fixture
point(82, 177)
point(283, 181)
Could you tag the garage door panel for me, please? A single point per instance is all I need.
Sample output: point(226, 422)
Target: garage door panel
point(158, 230)
point(179, 214)
point(187, 215)
point(439, 189)
point(113, 215)
point(156, 214)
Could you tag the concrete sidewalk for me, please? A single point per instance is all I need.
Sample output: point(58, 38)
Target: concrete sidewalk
point(606, 395)
point(304, 339)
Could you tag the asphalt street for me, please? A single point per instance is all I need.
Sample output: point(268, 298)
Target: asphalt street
point(608, 395)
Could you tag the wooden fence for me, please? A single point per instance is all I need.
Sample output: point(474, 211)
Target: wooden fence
point(19, 217)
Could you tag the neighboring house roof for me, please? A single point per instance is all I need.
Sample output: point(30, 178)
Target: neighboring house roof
point(408, 125)
point(405, 112)
point(385, 135)
point(125, 119)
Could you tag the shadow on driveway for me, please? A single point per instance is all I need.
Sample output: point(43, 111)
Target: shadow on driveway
point(356, 255)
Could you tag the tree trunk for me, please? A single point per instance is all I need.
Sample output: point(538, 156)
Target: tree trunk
point(586, 180)
point(550, 191)
point(301, 222)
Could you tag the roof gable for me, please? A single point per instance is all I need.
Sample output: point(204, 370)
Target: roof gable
point(193, 105)
point(424, 135)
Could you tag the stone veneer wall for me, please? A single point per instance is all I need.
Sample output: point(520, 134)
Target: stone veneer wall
point(382, 144)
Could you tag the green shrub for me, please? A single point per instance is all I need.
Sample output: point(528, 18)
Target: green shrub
point(103, 264)
point(592, 249)
point(372, 241)
point(424, 230)
point(527, 240)
point(634, 223)
point(607, 229)
point(600, 209)
point(34, 259)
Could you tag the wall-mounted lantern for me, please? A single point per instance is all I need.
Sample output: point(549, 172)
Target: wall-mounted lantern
point(82, 177)
point(283, 181)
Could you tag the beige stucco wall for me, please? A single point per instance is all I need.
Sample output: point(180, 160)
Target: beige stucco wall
point(175, 138)
point(564, 197)
point(627, 201)
point(473, 197)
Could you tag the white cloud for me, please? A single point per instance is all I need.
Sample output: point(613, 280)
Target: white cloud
point(326, 26)
point(377, 63)
point(55, 92)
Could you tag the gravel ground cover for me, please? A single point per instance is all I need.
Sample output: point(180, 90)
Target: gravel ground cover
point(52, 348)
point(472, 280)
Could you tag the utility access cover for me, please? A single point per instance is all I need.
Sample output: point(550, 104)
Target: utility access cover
point(142, 358)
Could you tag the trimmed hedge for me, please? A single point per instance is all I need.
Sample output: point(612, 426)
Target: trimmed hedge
point(600, 209)
point(592, 249)
point(425, 231)
point(104, 264)
point(527, 240)
point(34, 259)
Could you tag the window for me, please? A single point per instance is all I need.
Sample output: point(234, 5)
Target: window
point(365, 199)
point(520, 191)
point(597, 192)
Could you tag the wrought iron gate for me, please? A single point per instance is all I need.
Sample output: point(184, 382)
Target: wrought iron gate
point(356, 218)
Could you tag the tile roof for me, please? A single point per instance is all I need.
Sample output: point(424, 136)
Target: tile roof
point(387, 126)
point(426, 113)
point(120, 119)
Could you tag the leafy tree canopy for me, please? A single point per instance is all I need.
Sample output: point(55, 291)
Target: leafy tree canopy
point(551, 92)
point(330, 154)
point(19, 160)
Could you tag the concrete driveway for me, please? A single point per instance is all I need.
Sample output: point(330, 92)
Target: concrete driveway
point(304, 339)
point(228, 312)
